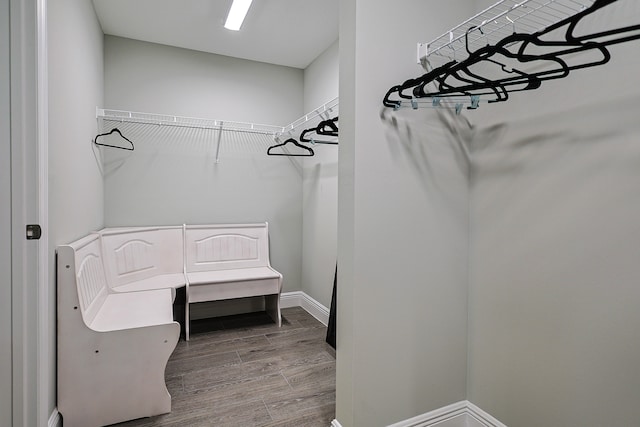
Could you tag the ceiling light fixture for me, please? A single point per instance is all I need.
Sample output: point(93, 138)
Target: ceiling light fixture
point(238, 11)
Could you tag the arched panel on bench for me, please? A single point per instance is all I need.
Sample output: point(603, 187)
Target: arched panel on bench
point(91, 283)
point(143, 258)
point(226, 247)
point(134, 256)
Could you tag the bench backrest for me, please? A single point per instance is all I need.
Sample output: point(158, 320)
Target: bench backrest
point(223, 247)
point(133, 254)
point(91, 281)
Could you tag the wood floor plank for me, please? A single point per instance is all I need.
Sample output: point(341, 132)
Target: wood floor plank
point(201, 361)
point(175, 385)
point(316, 417)
point(301, 347)
point(244, 414)
point(313, 376)
point(211, 377)
point(265, 328)
point(207, 348)
point(298, 335)
point(295, 403)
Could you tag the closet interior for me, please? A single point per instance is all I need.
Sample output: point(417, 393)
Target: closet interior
point(182, 133)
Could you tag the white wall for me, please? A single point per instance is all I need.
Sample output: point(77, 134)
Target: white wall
point(402, 240)
point(321, 78)
point(345, 353)
point(154, 78)
point(555, 239)
point(320, 186)
point(172, 177)
point(75, 89)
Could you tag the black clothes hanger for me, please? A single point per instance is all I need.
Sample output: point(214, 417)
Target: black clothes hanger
point(294, 142)
point(304, 138)
point(114, 130)
point(479, 85)
point(574, 45)
point(457, 78)
point(411, 83)
point(326, 127)
point(453, 82)
point(533, 80)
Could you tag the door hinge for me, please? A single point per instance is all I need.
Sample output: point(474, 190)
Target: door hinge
point(34, 231)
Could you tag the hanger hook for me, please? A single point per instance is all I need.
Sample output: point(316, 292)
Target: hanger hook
point(486, 36)
point(466, 37)
point(513, 24)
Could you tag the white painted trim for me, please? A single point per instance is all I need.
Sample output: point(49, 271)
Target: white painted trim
point(54, 418)
point(485, 418)
point(310, 305)
point(335, 423)
point(291, 299)
point(42, 92)
point(459, 414)
point(315, 309)
point(436, 416)
point(24, 209)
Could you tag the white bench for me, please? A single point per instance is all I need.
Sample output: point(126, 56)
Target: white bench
point(112, 347)
point(230, 261)
point(216, 262)
point(116, 289)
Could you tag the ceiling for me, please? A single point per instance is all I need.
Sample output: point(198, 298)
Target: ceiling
point(283, 32)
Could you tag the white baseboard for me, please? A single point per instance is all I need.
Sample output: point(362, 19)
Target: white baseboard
point(54, 419)
point(291, 299)
point(460, 414)
point(311, 306)
point(335, 423)
point(483, 417)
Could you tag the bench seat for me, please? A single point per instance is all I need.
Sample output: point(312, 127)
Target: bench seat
point(234, 275)
point(163, 281)
point(134, 310)
point(230, 284)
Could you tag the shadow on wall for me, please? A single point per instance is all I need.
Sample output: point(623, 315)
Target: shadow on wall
point(434, 143)
point(559, 158)
point(424, 138)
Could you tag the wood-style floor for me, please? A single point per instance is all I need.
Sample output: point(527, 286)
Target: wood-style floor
point(243, 371)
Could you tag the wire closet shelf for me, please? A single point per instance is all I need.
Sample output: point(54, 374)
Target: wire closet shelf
point(324, 112)
point(496, 22)
point(120, 116)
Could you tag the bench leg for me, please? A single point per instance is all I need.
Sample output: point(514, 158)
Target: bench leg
point(272, 306)
point(187, 321)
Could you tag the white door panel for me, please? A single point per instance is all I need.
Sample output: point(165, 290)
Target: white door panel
point(5, 223)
